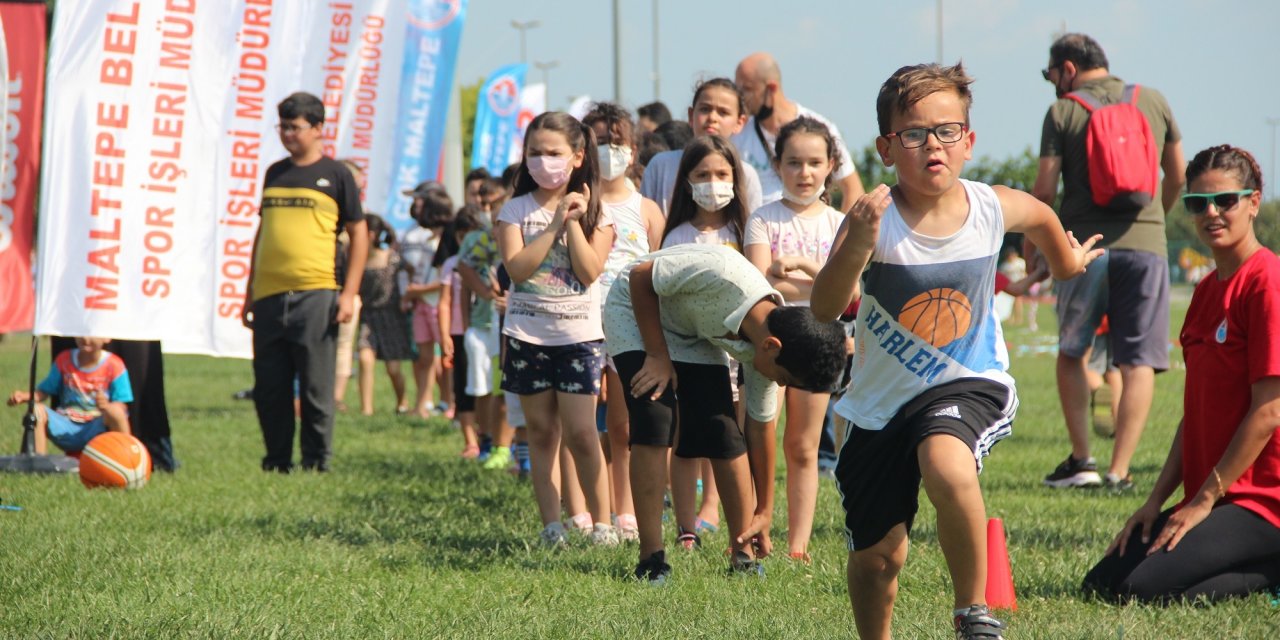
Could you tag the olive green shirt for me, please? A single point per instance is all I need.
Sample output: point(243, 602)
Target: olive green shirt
point(1064, 133)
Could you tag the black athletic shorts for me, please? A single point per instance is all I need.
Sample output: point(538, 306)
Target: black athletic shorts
point(878, 473)
point(702, 406)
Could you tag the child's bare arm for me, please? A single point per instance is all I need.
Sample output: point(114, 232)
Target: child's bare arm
point(1066, 256)
point(19, 396)
point(837, 284)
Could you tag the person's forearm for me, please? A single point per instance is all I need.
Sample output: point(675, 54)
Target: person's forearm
point(837, 284)
point(357, 254)
point(523, 262)
point(647, 310)
point(761, 454)
point(586, 263)
point(473, 282)
point(1170, 190)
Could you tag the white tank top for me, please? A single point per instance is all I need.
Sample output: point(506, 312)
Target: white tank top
point(928, 315)
point(630, 240)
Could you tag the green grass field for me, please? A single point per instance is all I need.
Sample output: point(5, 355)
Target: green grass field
point(404, 540)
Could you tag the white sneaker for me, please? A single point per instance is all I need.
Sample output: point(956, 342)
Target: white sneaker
point(604, 535)
point(554, 535)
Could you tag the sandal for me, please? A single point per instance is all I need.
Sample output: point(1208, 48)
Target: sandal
point(689, 540)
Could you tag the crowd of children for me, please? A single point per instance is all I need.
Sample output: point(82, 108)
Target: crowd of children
point(694, 311)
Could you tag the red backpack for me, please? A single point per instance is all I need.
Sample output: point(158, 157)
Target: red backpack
point(1123, 163)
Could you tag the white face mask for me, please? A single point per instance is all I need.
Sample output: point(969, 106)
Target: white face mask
point(614, 160)
point(712, 196)
point(807, 200)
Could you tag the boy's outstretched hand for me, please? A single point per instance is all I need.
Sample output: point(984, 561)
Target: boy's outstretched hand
point(1084, 253)
point(18, 397)
point(865, 216)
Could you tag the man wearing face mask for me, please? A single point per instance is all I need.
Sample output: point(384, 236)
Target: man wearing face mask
point(760, 80)
point(1130, 283)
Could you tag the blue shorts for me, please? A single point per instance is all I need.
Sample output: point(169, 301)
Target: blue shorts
point(572, 368)
point(1132, 289)
point(72, 436)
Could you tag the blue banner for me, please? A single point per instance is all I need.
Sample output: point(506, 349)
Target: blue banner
point(433, 31)
point(497, 115)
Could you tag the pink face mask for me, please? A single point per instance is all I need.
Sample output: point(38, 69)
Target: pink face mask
point(550, 172)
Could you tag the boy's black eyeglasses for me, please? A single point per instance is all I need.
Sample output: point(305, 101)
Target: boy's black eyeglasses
point(1198, 203)
point(947, 133)
point(1045, 73)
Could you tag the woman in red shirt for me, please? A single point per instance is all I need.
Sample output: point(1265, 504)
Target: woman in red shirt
point(1223, 538)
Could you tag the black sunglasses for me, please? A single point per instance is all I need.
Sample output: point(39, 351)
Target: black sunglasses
point(1198, 203)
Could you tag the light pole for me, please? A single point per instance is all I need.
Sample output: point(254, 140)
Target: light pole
point(545, 68)
point(617, 51)
point(656, 84)
point(522, 27)
point(1272, 122)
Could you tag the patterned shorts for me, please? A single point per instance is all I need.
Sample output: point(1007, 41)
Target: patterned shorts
point(572, 368)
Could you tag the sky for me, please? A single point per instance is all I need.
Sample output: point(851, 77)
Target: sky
point(1217, 62)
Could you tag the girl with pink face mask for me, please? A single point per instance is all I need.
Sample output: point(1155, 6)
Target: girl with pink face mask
point(789, 241)
point(708, 206)
point(554, 237)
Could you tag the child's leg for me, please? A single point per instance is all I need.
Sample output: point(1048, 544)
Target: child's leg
point(709, 511)
point(115, 416)
point(951, 481)
point(423, 376)
point(571, 496)
point(397, 383)
point(648, 484)
point(872, 575)
point(367, 362)
point(733, 479)
point(684, 491)
point(805, 412)
point(544, 449)
point(42, 430)
point(578, 417)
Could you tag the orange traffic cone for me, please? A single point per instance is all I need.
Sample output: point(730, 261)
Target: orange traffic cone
point(1000, 593)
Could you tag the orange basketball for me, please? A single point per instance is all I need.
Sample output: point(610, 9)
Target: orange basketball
point(115, 459)
point(938, 316)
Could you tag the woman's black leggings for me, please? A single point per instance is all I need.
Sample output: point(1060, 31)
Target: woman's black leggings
point(1234, 552)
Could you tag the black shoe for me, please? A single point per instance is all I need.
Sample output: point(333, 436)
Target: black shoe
point(742, 565)
point(1074, 473)
point(272, 467)
point(977, 623)
point(315, 465)
point(654, 569)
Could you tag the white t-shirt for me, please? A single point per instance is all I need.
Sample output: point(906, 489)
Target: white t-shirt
point(686, 233)
point(754, 154)
point(417, 250)
point(705, 292)
point(553, 307)
point(788, 234)
point(630, 240)
point(660, 181)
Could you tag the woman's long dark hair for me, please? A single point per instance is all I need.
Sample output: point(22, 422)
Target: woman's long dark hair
point(683, 208)
point(580, 138)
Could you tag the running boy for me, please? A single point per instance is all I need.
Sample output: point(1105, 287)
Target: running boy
point(930, 364)
point(671, 323)
point(92, 387)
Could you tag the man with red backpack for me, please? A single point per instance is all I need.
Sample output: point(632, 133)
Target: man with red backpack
point(1108, 141)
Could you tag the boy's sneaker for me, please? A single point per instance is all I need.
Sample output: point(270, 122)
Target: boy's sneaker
point(654, 569)
point(604, 535)
point(1115, 484)
point(976, 623)
point(1104, 424)
point(1074, 473)
point(499, 459)
point(628, 528)
point(740, 564)
point(554, 535)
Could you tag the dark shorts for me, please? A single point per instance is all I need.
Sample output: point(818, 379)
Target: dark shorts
point(1132, 289)
point(572, 368)
point(878, 474)
point(702, 408)
point(462, 401)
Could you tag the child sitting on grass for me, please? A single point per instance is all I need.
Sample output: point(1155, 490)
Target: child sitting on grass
point(92, 387)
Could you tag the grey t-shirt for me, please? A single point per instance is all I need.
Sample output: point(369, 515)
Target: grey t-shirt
point(660, 181)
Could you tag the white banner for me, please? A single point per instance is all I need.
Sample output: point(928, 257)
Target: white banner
point(161, 119)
